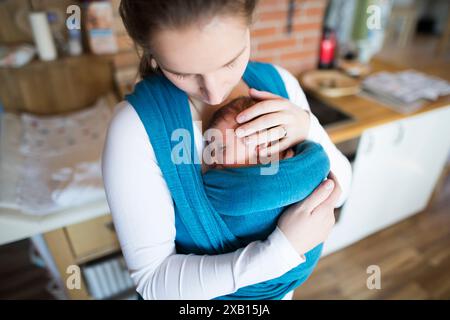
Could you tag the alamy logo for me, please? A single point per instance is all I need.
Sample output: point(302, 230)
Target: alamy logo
point(374, 19)
point(73, 281)
point(374, 280)
point(74, 20)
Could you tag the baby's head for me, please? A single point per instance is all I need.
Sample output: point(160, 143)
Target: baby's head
point(233, 151)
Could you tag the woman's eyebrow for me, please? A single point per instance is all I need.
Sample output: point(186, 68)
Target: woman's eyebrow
point(186, 74)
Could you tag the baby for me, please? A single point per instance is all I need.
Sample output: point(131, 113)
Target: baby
point(248, 202)
point(228, 150)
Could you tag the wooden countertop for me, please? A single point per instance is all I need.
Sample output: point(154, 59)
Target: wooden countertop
point(369, 113)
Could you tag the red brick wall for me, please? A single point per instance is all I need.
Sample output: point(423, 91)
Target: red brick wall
point(297, 51)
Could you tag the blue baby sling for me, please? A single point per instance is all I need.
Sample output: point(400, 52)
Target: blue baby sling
point(200, 228)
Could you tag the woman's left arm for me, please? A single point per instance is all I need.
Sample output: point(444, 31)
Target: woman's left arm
point(297, 124)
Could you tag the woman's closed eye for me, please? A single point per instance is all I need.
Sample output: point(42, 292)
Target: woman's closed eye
point(230, 65)
point(184, 76)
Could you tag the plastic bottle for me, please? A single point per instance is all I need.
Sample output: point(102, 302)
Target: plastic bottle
point(327, 49)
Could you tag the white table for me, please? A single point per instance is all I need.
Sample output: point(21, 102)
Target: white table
point(15, 225)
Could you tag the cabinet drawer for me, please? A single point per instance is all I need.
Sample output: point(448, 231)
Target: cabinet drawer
point(93, 237)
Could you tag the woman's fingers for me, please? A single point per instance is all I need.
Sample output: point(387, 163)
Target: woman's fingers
point(264, 122)
point(266, 136)
point(263, 95)
point(319, 195)
point(337, 191)
point(274, 148)
point(333, 197)
point(260, 108)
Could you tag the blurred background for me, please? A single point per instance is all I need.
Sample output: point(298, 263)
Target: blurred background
point(375, 73)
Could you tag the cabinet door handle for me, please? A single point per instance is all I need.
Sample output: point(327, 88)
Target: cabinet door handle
point(369, 145)
point(400, 134)
point(110, 226)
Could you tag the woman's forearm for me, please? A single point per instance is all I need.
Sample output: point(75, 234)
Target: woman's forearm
point(205, 277)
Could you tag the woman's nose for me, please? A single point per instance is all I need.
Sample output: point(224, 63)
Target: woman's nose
point(212, 89)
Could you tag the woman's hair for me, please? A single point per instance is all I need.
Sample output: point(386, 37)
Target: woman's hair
point(142, 18)
point(231, 109)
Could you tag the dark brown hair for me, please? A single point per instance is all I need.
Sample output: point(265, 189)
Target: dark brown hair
point(231, 109)
point(144, 17)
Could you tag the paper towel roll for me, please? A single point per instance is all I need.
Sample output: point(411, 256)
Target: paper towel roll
point(42, 36)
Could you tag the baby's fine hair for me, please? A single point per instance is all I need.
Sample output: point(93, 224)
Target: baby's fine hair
point(231, 109)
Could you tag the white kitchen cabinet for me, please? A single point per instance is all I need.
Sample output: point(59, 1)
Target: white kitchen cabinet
point(396, 168)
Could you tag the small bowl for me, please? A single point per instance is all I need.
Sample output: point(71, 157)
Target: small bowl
point(331, 83)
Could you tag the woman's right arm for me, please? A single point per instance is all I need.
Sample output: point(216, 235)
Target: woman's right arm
point(143, 215)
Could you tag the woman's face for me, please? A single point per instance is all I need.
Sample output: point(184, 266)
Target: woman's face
point(206, 61)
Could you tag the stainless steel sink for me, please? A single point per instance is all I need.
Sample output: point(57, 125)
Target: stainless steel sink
point(327, 115)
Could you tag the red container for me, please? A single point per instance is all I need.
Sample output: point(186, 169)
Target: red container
point(327, 49)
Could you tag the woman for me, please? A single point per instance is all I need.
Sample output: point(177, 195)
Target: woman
point(203, 48)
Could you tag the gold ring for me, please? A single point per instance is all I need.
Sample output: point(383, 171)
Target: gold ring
point(285, 132)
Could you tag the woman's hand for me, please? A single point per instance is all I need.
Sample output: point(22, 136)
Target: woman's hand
point(309, 222)
point(279, 125)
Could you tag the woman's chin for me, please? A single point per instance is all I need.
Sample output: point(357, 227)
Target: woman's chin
point(206, 101)
point(214, 103)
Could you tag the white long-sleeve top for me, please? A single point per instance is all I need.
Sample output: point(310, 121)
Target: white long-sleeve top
point(143, 214)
